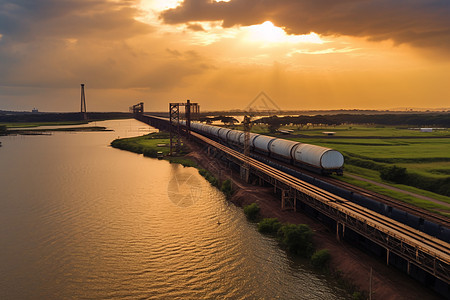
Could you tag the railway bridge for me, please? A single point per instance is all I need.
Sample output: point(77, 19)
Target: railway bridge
point(417, 253)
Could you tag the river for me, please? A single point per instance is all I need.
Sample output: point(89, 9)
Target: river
point(82, 220)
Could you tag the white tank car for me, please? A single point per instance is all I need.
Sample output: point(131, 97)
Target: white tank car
point(262, 142)
point(234, 136)
point(223, 133)
point(214, 131)
point(253, 136)
point(283, 148)
point(207, 129)
point(319, 157)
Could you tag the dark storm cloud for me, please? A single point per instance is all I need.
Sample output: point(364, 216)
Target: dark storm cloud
point(56, 42)
point(421, 23)
point(31, 19)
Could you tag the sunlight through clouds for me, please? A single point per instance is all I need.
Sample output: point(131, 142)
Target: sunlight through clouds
point(269, 33)
point(159, 5)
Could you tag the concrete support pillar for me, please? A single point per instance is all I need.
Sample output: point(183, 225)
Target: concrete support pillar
point(387, 256)
point(338, 236)
point(408, 268)
point(245, 173)
point(295, 202)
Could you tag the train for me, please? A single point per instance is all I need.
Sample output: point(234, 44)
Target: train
point(321, 160)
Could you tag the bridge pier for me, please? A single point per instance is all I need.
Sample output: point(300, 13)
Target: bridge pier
point(244, 173)
point(288, 200)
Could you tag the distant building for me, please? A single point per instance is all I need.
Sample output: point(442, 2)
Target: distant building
point(35, 110)
point(426, 129)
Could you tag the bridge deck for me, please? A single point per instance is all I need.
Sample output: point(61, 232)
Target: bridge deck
point(419, 248)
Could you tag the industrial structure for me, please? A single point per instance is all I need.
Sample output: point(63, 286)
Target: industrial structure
point(416, 245)
point(174, 121)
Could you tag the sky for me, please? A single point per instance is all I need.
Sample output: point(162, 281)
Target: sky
point(322, 54)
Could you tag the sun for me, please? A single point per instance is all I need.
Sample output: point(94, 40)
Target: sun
point(267, 33)
point(159, 5)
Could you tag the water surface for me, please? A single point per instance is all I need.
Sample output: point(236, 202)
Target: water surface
point(81, 220)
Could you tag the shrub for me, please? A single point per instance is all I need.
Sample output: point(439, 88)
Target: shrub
point(297, 239)
point(150, 153)
point(226, 188)
point(209, 177)
point(321, 258)
point(2, 129)
point(270, 225)
point(393, 173)
point(252, 211)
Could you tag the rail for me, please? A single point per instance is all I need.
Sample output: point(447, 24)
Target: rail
point(419, 248)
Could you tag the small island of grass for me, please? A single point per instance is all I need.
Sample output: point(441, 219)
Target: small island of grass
point(155, 145)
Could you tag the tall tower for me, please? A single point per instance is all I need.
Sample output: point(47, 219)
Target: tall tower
point(83, 103)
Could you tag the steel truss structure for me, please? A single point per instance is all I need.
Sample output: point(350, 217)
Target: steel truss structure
point(174, 120)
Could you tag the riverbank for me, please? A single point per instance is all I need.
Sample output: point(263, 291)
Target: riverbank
point(348, 265)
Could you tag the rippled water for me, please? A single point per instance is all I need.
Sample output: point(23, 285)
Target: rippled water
point(81, 220)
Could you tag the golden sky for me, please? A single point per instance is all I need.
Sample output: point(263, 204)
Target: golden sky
point(323, 54)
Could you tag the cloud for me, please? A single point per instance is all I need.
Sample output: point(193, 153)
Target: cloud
point(26, 20)
point(59, 43)
point(421, 23)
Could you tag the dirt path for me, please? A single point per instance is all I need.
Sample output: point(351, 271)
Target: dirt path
point(352, 263)
point(399, 190)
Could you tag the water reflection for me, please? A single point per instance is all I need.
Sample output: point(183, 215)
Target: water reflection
point(79, 219)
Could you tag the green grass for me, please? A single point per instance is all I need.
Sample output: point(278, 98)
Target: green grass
point(427, 160)
point(366, 131)
point(144, 144)
point(148, 145)
point(374, 175)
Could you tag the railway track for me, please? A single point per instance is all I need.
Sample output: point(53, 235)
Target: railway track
point(438, 219)
point(421, 213)
point(415, 238)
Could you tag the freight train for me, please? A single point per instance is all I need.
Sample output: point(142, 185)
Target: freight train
point(318, 159)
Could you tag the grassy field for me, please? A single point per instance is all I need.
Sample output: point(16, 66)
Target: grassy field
point(370, 149)
point(150, 145)
point(357, 131)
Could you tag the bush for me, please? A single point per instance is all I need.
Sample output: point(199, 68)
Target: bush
point(150, 153)
point(297, 239)
point(321, 258)
point(209, 177)
point(252, 211)
point(357, 296)
point(270, 225)
point(226, 188)
point(2, 129)
point(394, 174)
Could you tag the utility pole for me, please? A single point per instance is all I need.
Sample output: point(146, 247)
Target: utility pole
point(83, 103)
point(245, 168)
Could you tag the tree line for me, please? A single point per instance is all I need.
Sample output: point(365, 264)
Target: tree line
point(419, 120)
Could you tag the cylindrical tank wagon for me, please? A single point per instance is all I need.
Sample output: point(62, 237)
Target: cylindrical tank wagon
point(283, 148)
point(315, 158)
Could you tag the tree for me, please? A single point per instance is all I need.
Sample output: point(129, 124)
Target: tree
point(274, 123)
point(297, 239)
